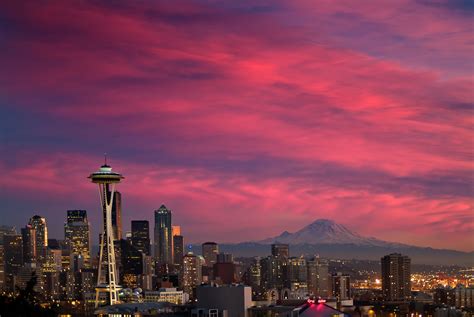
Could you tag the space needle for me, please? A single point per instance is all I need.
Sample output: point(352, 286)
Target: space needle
point(107, 281)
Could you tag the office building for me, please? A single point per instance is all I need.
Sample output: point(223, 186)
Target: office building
point(192, 272)
point(341, 286)
point(116, 214)
point(28, 235)
point(224, 258)
point(163, 235)
point(396, 283)
point(273, 271)
point(297, 270)
point(132, 264)
point(280, 250)
point(463, 296)
point(318, 274)
point(178, 250)
point(41, 231)
point(4, 230)
point(170, 295)
point(77, 235)
point(13, 253)
point(141, 236)
point(236, 299)
point(224, 273)
point(209, 252)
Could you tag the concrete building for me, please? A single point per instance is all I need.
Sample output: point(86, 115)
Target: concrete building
point(209, 252)
point(41, 231)
point(141, 236)
point(77, 234)
point(318, 277)
point(463, 296)
point(280, 250)
point(192, 272)
point(236, 299)
point(341, 286)
point(396, 274)
point(178, 251)
point(163, 236)
point(170, 295)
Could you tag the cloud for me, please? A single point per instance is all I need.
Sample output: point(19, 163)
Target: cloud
point(276, 114)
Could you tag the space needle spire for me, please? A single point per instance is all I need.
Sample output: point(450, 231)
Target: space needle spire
point(107, 280)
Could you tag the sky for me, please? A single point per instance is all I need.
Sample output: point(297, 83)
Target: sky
point(244, 118)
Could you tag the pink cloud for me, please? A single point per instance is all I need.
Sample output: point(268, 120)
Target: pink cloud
point(226, 113)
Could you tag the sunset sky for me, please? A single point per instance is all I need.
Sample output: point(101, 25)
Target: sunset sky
point(246, 118)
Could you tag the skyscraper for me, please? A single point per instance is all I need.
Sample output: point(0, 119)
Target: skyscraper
point(341, 286)
point(41, 231)
point(273, 271)
point(141, 235)
point(192, 274)
point(396, 283)
point(13, 257)
point(178, 250)
point(132, 264)
point(116, 215)
point(4, 230)
point(28, 235)
point(163, 235)
point(318, 271)
point(175, 231)
point(297, 270)
point(280, 250)
point(77, 234)
point(209, 252)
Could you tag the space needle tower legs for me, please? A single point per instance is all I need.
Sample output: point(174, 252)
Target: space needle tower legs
point(106, 179)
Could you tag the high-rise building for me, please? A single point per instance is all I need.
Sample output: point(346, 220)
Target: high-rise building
point(141, 235)
point(41, 230)
point(209, 252)
point(13, 258)
point(224, 258)
point(318, 272)
point(396, 273)
point(132, 264)
point(77, 234)
point(273, 271)
point(224, 272)
point(192, 272)
point(175, 231)
point(28, 235)
point(297, 270)
point(163, 235)
point(4, 230)
point(341, 286)
point(281, 250)
point(116, 214)
point(178, 250)
point(254, 275)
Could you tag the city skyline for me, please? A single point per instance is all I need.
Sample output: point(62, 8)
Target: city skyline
point(349, 113)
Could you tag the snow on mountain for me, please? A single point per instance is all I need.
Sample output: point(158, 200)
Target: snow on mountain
point(325, 231)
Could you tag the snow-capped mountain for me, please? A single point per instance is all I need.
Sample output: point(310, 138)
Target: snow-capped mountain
point(325, 231)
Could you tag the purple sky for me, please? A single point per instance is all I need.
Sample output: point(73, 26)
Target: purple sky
point(245, 119)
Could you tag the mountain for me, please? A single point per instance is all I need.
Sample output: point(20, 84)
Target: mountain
point(325, 231)
point(335, 241)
